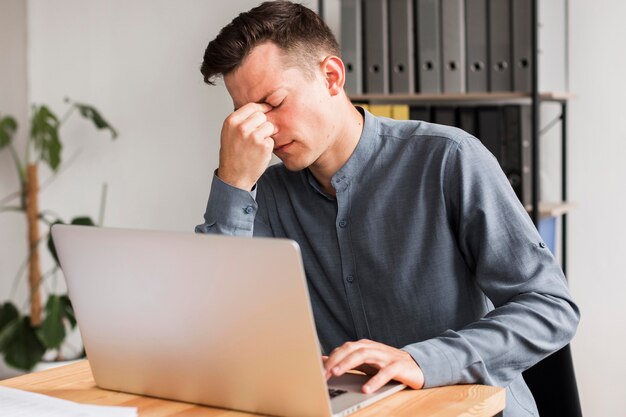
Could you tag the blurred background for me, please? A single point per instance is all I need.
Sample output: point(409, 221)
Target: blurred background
point(138, 63)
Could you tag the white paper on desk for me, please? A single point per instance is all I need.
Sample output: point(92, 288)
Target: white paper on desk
point(18, 403)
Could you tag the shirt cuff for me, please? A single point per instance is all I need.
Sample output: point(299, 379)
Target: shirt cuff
point(436, 360)
point(229, 209)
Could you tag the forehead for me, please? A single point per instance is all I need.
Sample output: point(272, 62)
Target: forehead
point(262, 72)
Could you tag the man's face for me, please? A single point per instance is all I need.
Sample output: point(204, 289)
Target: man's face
point(300, 105)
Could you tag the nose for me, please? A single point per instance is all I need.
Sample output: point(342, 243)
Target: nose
point(273, 120)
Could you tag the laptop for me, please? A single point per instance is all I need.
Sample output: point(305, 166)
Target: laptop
point(215, 320)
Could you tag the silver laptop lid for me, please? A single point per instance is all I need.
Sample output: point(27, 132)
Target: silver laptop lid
point(214, 320)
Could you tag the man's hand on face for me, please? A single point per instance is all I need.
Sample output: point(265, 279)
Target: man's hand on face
point(246, 145)
point(373, 358)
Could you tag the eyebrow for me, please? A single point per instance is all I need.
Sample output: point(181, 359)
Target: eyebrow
point(263, 99)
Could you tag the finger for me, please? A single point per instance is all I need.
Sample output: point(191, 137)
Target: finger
point(369, 356)
point(383, 376)
point(247, 110)
point(262, 132)
point(339, 353)
point(252, 123)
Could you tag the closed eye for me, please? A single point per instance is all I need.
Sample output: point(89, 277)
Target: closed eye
point(276, 105)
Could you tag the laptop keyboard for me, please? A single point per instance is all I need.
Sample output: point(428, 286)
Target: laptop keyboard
point(333, 392)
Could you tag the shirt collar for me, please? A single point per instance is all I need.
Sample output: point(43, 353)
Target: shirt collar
point(355, 164)
point(361, 155)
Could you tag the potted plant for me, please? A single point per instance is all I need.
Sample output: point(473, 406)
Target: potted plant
point(26, 337)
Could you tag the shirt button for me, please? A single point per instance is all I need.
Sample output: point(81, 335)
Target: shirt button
point(350, 279)
point(248, 209)
point(542, 245)
point(343, 223)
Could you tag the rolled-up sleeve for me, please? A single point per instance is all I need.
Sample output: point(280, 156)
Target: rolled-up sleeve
point(534, 314)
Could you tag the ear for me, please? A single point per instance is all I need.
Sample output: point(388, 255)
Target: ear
point(334, 73)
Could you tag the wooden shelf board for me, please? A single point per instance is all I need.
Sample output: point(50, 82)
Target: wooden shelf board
point(468, 98)
point(553, 209)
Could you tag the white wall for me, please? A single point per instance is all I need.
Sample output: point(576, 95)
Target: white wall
point(598, 225)
point(13, 101)
point(138, 63)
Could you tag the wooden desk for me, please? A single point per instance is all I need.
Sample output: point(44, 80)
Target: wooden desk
point(75, 382)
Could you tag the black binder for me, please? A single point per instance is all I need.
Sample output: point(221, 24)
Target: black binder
point(517, 162)
point(490, 130)
point(420, 113)
point(467, 120)
point(445, 115)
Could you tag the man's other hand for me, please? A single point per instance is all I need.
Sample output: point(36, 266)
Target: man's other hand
point(246, 145)
point(373, 358)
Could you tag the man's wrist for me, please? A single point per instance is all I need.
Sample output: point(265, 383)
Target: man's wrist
point(242, 184)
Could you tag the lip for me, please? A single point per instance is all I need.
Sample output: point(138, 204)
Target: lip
point(283, 148)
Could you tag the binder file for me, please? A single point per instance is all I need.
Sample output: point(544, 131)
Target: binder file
point(476, 44)
point(467, 120)
point(376, 40)
point(428, 46)
point(420, 113)
point(351, 47)
point(453, 46)
point(490, 131)
point(445, 116)
point(522, 45)
point(381, 110)
point(500, 73)
point(517, 163)
point(401, 52)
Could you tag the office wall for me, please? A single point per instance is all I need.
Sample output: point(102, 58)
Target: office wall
point(138, 63)
point(13, 101)
point(598, 225)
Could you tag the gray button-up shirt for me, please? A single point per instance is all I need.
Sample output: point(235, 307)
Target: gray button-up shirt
point(425, 247)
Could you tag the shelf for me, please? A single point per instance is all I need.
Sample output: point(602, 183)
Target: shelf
point(465, 98)
point(553, 209)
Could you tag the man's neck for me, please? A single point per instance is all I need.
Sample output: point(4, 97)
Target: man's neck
point(340, 151)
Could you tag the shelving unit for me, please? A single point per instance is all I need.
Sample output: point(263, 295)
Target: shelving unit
point(535, 99)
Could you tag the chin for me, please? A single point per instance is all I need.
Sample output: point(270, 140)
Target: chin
point(294, 166)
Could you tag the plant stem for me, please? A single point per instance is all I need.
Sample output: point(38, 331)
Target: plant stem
point(11, 208)
point(18, 165)
point(11, 196)
point(43, 213)
point(67, 114)
point(34, 270)
point(103, 201)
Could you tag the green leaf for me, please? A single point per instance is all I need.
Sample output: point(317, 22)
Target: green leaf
point(51, 247)
point(68, 310)
point(90, 112)
point(45, 136)
point(52, 330)
point(23, 350)
point(8, 126)
point(83, 221)
point(8, 317)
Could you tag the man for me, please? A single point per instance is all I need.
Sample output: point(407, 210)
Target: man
point(422, 265)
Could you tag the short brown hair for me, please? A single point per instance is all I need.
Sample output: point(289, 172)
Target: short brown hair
point(295, 29)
